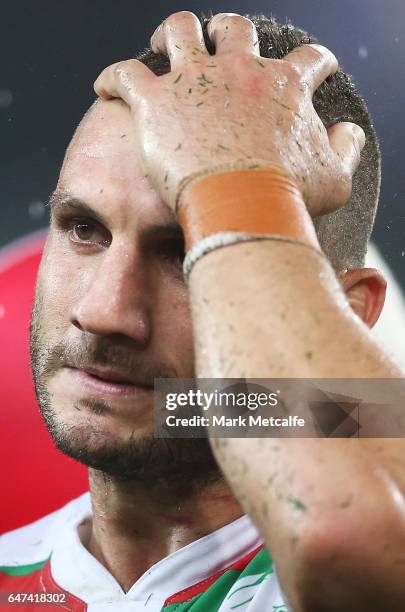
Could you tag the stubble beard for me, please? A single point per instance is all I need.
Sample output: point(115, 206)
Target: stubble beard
point(173, 463)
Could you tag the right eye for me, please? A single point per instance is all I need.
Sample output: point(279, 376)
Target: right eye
point(85, 232)
point(88, 232)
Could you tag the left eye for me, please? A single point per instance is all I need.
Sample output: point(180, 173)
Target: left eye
point(174, 251)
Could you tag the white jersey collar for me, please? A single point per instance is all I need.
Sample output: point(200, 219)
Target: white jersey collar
point(78, 572)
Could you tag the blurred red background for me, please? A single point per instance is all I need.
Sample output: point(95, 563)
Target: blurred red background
point(35, 477)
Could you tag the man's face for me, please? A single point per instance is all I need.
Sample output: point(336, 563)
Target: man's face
point(111, 310)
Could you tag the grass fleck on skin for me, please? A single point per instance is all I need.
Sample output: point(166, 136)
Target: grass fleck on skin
point(343, 347)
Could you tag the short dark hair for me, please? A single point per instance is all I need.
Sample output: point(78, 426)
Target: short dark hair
point(343, 234)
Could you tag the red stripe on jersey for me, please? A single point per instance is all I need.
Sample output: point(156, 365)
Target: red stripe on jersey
point(41, 581)
point(202, 586)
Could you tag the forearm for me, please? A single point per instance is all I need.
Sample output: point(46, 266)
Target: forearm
point(260, 311)
point(264, 309)
point(274, 309)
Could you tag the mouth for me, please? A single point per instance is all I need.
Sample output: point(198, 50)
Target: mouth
point(103, 382)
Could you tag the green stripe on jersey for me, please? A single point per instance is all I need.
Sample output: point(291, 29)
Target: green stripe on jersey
point(226, 586)
point(22, 570)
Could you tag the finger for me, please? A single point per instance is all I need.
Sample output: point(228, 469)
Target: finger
point(179, 35)
point(347, 140)
point(314, 64)
point(232, 33)
point(126, 80)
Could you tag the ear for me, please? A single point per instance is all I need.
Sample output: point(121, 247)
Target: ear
point(365, 290)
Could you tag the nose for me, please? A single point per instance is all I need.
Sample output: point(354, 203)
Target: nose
point(114, 298)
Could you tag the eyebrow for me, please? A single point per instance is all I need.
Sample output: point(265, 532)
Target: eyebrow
point(61, 199)
point(156, 231)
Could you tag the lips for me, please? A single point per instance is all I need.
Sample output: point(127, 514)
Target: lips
point(106, 382)
point(109, 375)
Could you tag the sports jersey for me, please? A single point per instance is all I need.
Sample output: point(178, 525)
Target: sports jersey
point(227, 570)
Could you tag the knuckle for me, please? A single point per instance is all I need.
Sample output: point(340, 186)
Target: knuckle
point(181, 17)
point(292, 72)
point(157, 32)
point(122, 70)
point(220, 16)
point(312, 54)
point(118, 68)
point(230, 19)
point(322, 54)
point(317, 50)
point(235, 20)
point(241, 20)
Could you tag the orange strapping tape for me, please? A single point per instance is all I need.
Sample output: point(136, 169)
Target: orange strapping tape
point(260, 201)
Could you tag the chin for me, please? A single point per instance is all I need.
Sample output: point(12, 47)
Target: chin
point(103, 438)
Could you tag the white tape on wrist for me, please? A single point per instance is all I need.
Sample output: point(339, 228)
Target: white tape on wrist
point(223, 239)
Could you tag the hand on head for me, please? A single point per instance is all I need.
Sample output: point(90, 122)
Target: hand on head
point(211, 111)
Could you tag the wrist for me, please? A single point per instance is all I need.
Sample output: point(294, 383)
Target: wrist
point(232, 206)
point(263, 201)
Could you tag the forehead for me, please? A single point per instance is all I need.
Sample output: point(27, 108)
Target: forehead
point(103, 140)
point(101, 166)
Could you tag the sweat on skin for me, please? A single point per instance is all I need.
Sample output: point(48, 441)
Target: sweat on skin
point(121, 300)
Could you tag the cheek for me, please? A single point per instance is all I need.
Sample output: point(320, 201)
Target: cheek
point(174, 326)
point(57, 287)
